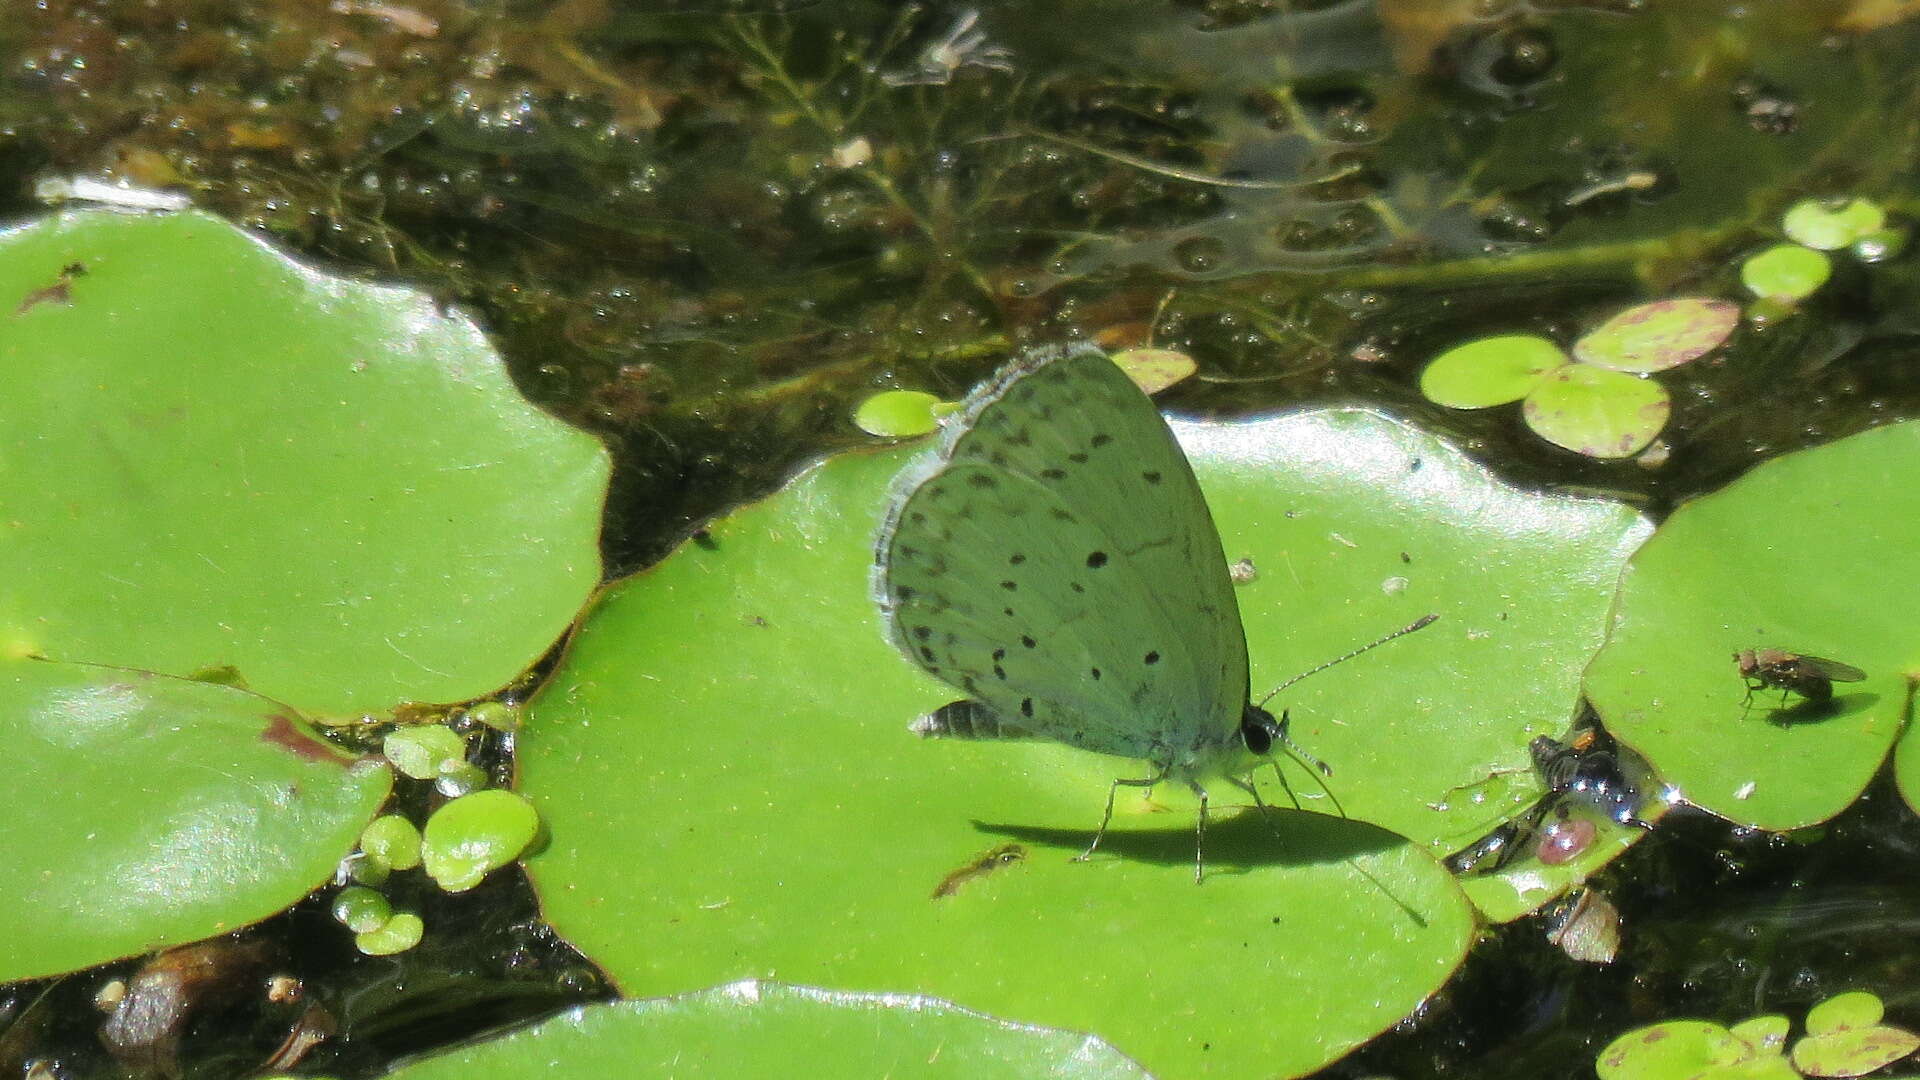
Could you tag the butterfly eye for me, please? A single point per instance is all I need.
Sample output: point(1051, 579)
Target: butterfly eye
point(1256, 730)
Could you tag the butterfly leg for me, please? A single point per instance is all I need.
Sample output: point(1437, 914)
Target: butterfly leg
point(1266, 812)
point(1107, 817)
point(1280, 775)
point(1199, 835)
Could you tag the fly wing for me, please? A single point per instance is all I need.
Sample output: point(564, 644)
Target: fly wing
point(1834, 669)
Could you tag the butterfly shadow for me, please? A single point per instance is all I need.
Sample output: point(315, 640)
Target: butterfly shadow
point(1805, 711)
point(1236, 842)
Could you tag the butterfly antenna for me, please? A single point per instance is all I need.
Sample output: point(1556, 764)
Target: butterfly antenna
point(1420, 623)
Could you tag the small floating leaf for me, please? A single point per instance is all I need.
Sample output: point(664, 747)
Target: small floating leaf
point(1671, 1050)
point(1846, 1038)
point(1880, 245)
point(476, 834)
point(1766, 1034)
point(897, 414)
point(361, 910)
point(1597, 412)
point(393, 840)
point(1853, 1009)
point(497, 715)
point(400, 933)
point(1829, 225)
point(1659, 335)
point(1490, 371)
point(1785, 272)
point(1153, 370)
point(425, 751)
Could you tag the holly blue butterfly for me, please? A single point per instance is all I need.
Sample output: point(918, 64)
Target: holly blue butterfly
point(1057, 563)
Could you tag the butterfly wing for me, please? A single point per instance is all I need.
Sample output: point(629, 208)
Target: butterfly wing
point(1060, 567)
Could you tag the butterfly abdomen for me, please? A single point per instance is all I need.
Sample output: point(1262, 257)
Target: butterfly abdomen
point(966, 720)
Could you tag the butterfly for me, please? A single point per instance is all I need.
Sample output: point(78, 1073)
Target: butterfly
point(1055, 561)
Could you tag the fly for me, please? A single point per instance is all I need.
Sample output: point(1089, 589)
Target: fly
point(1812, 677)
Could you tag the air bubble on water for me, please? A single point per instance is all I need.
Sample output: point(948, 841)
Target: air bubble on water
point(1394, 586)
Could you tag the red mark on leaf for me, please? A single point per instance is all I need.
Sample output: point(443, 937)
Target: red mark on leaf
point(291, 737)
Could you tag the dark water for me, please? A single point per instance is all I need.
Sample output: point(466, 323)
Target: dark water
point(705, 230)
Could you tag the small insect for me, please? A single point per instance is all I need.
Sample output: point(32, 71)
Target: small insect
point(963, 46)
point(986, 864)
point(1812, 677)
point(1585, 771)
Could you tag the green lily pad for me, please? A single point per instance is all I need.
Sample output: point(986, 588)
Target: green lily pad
point(1597, 412)
point(714, 818)
point(1490, 371)
point(1846, 1038)
point(895, 414)
point(1794, 555)
point(753, 1028)
point(214, 456)
point(1785, 272)
point(1659, 335)
point(1829, 225)
point(155, 810)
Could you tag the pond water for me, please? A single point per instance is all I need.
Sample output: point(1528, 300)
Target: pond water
point(707, 231)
